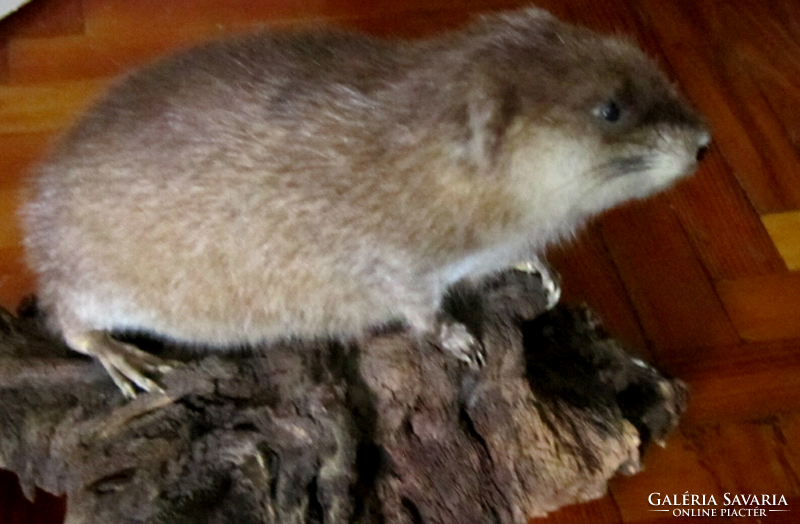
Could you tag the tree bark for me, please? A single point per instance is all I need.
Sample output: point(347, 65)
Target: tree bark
point(387, 429)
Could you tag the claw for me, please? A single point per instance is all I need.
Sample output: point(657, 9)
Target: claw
point(550, 280)
point(456, 339)
point(124, 363)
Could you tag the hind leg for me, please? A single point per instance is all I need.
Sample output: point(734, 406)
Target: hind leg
point(126, 364)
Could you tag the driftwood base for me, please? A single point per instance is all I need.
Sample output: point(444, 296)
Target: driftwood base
point(383, 430)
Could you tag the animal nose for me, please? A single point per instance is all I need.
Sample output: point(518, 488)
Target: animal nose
point(703, 142)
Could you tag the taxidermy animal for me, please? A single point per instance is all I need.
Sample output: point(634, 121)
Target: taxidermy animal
point(318, 184)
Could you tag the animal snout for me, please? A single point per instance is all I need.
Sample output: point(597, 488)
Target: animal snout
point(703, 143)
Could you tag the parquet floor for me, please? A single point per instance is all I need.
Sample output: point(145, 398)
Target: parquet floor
point(704, 280)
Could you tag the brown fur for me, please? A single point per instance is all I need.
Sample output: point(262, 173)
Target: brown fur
point(316, 184)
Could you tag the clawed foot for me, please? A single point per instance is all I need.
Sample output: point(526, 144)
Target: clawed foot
point(456, 339)
point(550, 279)
point(126, 364)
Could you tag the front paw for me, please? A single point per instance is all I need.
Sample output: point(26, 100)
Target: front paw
point(551, 281)
point(455, 338)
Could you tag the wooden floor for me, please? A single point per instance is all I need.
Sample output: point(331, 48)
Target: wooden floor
point(704, 280)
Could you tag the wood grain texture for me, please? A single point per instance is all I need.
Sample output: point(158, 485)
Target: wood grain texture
point(601, 511)
point(765, 307)
point(420, 23)
point(741, 382)
point(10, 235)
point(721, 224)
point(784, 231)
point(65, 58)
point(763, 43)
point(672, 470)
point(789, 433)
point(753, 446)
point(135, 20)
point(44, 107)
point(677, 305)
point(16, 280)
point(19, 153)
point(3, 62)
point(45, 19)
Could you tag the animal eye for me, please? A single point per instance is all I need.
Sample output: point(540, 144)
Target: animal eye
point(609, 111)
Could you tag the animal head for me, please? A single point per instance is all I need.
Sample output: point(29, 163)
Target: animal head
point(578, 121)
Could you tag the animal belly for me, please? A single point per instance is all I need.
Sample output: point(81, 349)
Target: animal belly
point(200, 309)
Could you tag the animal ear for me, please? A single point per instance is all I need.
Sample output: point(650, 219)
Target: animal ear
point(491, 106)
